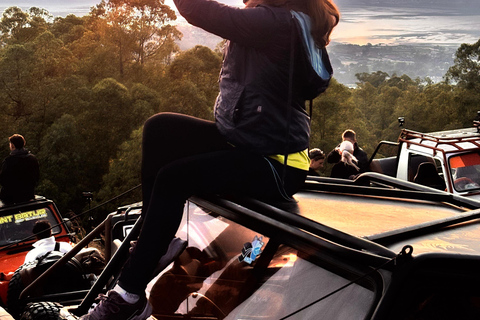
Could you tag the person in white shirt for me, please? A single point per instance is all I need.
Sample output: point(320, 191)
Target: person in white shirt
point(45, 242)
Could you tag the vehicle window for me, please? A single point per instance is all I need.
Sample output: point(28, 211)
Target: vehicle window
point(386, 149)
point(426, 171)
point(222, 275)
point(300, 284)
point(385, 159)
point(18, 226)
point(414, 162)
point(465, 170)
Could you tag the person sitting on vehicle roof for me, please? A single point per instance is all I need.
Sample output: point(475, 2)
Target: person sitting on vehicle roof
point(317, 158)
point(19, 174)
point(343, 169)
point(274, 60)
point(45, 242)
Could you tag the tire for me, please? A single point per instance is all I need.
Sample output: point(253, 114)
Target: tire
point(15, 288)
point(68, 278)
point(42, 311)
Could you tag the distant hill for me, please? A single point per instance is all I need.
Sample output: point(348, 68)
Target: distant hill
point(456, 5)
point(416, 61)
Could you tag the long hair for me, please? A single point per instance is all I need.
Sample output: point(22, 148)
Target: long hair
point(324, 16)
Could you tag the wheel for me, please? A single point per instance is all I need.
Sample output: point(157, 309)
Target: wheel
point(67, 278)
point(15, 288)
point(42, 311)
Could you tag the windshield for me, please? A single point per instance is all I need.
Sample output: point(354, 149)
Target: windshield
point(221, 275)
point(465, 169)
point(18, 226)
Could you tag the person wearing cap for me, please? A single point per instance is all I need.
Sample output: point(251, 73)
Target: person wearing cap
point(19, 174)
point(317, 158)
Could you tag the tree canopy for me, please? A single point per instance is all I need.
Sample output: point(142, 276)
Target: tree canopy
point(466, 70)
point(80, 88)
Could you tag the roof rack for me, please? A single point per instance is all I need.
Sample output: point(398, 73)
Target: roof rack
point(443, 141)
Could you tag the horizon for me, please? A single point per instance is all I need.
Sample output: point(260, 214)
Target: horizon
point(361, 23)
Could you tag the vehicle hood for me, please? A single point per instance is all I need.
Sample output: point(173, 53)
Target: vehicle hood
point(10, 262)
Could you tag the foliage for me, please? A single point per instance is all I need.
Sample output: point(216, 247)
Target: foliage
point(18, 26)
point(466, 70)
point(80, 88)
point(62, 166)
point(138, 30)
point(123, 174)
point(60, 89)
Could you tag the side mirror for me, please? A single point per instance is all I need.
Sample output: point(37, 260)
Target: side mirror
point(67, 223)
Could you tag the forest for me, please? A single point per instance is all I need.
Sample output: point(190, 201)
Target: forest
point(80, 88)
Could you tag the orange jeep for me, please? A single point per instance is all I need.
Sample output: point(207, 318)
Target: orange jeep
point(16, 238)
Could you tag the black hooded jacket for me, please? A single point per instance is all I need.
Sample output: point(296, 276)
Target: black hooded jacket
point(252, 109)
point(19, 176)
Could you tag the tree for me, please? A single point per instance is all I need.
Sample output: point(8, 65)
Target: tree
point(363, 97)
point(107, 118)
point(466, 70)
point(145, 104)
point(69, 29)
point(94, 57)
point(183, 96)
point(329, 116)
point(17, 26)
point(138, 29)
point(386, 102)
point(374, 78)
point(401, 82)
point(62, 165)
point(16, 68)
point(199, 65)
point(53, 63)
point(124, 172)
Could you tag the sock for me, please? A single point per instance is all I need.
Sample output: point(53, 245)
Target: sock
point(127, 296)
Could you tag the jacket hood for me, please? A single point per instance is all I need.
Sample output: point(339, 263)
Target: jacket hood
point(316, 63)
point(314, 54)
point(19, 152)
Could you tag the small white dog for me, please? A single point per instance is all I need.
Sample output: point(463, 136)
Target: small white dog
point(346, 150)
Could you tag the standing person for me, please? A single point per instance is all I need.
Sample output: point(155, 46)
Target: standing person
point(342, 169)
point(274, 60)
point(19, 174)
point(317, 158)
point(45, 241)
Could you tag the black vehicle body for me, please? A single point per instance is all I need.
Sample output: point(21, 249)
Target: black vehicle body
point(374, 248)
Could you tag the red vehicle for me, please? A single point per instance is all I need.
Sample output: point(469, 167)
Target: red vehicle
point(16, 223)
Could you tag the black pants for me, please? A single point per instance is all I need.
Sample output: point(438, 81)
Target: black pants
point(183, 156)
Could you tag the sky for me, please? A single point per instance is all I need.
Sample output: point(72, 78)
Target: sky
point(361, 22)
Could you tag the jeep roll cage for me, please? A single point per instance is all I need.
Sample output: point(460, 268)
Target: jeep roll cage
point(361, 259)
